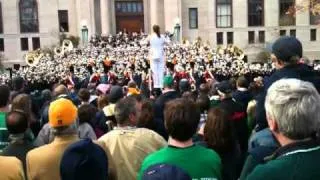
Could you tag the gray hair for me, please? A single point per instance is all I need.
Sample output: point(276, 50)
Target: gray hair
point(124, 108)
point(295, 106)
point(66, 130)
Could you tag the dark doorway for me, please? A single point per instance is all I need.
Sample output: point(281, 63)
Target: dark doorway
point(129, 15)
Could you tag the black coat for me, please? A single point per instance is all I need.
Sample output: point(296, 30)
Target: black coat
point(159, 111)
point(242, 97)
point(237, 114)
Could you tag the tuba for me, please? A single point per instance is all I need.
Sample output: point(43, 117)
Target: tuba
point(220, 51)
point(231, 48)
point(240, 54)
point(58, 51)
point(33, 58)
point(67, 45)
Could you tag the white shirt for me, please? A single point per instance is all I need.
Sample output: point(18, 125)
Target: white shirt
point(156, 46)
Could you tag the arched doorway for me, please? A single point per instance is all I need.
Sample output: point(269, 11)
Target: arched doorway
point(129, 15)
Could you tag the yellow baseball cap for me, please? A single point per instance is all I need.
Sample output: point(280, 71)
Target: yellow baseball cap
point(133, 91)
point(62, 112)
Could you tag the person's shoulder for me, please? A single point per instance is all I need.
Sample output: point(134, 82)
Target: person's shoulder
point(46, 126)
point(39, 151)
point(156, 156)
point(10, 161)
point(3, 115)
point(291, 71)
point(148, 139)
point(168, 96)
point(236, 92)
point(45, 130)
point(109, 135)
point(147, 134)
point(11, 168)
point(85, 126)
point(266, 171)
point(206, 152)
point(145, 131)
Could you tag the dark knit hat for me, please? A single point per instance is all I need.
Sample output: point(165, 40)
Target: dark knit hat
point(116, 93)
point(17, 83)
point(287, 47)
point(165, 171)
point(84, 160)
point(184, 85)
point(224, 87)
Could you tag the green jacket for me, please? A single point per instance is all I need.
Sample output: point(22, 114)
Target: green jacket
point(295, 161)
point(197, 161)
point(4, 134)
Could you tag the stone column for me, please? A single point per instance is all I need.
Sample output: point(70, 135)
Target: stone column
point(240, 13)
point(271, 9)
point(153, 13)
point(73, 19)
point(303, 17)
point(105, 17)
point(172, 13)
point(146, 16)
point(157, 14)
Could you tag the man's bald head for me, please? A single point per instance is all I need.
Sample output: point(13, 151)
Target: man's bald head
point(59, 90)
point(17, 122)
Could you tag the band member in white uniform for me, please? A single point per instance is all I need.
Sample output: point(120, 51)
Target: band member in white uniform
point(157, 60)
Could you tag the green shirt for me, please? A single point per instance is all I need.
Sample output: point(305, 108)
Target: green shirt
point(4, 134)
point(295, 165)
point(199, 162)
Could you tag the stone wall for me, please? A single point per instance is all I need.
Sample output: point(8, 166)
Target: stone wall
point(207, 26)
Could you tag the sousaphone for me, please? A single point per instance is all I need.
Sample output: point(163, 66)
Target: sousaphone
point(33, 58)
point(58, 51)
point(240, 54)
point(67, 45)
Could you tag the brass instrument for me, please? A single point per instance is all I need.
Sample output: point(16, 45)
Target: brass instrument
point(220, 51)
point(67, 45)
point(58, 51)
point(231, 48)
point(239, 54)
point(33, 58)
point(236, 52)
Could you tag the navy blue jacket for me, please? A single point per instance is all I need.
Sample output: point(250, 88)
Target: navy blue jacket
point(242, 97)
point(299, 71)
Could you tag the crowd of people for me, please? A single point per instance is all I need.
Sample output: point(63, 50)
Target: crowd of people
point(124, 54)
point(95, 115)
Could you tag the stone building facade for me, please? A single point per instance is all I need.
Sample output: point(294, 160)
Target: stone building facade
point(250, 24)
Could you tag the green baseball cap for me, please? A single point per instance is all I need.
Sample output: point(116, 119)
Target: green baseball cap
point(168, 81)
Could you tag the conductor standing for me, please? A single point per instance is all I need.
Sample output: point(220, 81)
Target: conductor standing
point(157, 60)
